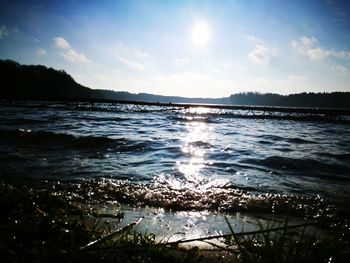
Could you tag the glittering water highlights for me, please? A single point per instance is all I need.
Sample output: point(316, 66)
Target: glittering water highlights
point(184, 162)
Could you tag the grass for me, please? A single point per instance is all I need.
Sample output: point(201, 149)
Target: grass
point(282, 243)
point(40, 226)
point(37, 226)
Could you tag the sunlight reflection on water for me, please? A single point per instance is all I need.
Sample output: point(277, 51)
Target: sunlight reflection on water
point(177, 160)
point(196, 132)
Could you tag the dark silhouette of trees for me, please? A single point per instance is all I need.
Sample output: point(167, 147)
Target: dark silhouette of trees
point(38, 82)
point(33, 82)
point(318, 100)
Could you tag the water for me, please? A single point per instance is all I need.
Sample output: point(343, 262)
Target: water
point(178, 161)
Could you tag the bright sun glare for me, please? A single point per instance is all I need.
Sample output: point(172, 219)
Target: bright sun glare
point(200, 34)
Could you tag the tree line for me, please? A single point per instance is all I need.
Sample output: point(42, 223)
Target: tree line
point(37, 82)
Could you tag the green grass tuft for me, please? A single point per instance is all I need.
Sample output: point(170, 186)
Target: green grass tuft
point(277, 242)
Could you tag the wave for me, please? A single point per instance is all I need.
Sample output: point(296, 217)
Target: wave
point(305, 167)
point(339, 156)
point(179, 196)
point(200, 144)
point(299, 141)
point(269, 138)
point(68, 141)
point(23, 121)
point(193, 118)
point(101, 119)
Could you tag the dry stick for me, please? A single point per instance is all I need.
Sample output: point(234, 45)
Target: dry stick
point(98, 241)
point(237, 234)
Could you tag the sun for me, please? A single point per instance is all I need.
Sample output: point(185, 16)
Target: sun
point(200, 34)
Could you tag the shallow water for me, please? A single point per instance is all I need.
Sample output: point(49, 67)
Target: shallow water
point(178, 161)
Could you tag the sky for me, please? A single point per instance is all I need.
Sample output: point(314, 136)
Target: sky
point(185, 48)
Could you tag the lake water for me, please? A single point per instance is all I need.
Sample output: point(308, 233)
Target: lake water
point(182, 162)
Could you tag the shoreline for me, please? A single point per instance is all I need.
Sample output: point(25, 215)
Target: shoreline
point(41, 220)
point(172, 226)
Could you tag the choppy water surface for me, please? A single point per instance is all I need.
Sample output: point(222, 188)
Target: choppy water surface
point(178, 161)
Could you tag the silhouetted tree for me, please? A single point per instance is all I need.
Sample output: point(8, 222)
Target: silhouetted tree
point(39, 82)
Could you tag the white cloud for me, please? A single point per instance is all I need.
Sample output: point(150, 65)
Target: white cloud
point(260, 55)
point(181, 61)
point(131, 63)
point(297, 78)
point(341, 54)
point(308, 41)
point(61, 43)
point(68, 52)
point(35, 40)
point(3, 31)
point(73, 56)
point(341, 70)
point(120, 48)
point(307, 46)
point(318, 53)
point(225, 64)
point(140, 54)
point(133, 58)
point(254, 39)
point(40, 52)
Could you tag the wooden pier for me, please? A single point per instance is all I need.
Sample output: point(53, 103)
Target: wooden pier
point(234, 111)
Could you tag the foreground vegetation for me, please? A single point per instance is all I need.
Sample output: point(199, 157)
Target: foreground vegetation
point(39, 225)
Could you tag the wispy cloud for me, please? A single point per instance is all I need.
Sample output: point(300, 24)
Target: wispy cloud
point(294, 78)
point(68, 52)
point(74, 56)
point(254, 39)
point(3, 31)
point(133, 58)
point(40, 52)
point(61, 43)
point(308, 41)
point(307, 46)
point(181, 61)
point(260, 55)
point(131, 63)
point(341, 70)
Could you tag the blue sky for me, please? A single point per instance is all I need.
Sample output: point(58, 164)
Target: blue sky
point(155, 47)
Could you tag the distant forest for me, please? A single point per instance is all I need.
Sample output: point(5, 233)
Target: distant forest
point(37, 82)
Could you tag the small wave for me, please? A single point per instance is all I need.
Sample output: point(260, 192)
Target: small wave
point(264, 142)
point(200, 144)
point(298, 141)
point(305, 167)
point(271, 137)
point(340, 156)
point(193, 118)
point(68, 141)
point(33, 136)
point(213, 196)
point(95, 118)
point(24, 121)
point(135, 147)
